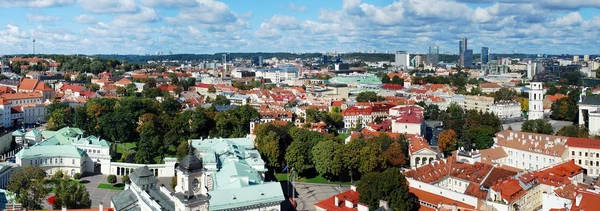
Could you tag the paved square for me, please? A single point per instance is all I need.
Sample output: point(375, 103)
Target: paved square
point(309, 194)
point(96, 194)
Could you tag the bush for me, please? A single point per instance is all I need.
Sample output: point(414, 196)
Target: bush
point(58, 175)
point(77, 176)
point(112, 179)
point(125, 179)
point(173, 182)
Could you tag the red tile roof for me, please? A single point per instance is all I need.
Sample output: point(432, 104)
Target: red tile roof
point(584, 143)
point(367, 109)
point(435, 199)
point(329, 203)
point(438, 170)
point(392, 86)
point(559, 175)
point(6, 89)
point(205, 86)
point(123, 81)
point(33, 85)
point(510, 189)
point(22, 95)
point(475, 190)
point(417, 143)
point(589, 201)
point(410, 114)
point(555, 97)
point(73, 88)
point(489, 86)
point(167, 87)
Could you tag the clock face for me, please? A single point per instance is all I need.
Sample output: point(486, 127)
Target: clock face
point(195, 185)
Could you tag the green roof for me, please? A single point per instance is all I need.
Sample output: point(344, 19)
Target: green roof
point(18, 133)
point(269, 192)
point(356, 79)
point(33, 133)
point(236, 174)
point(66, 151)
point(70, 136)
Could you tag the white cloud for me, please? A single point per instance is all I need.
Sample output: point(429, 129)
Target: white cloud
point(169, 3)
point(109, 6)
point(85, 19)
point(297, 8)
point(207, 12)
point(145, 15)
point(35, 3)
point(571, 19)
point(42, 18)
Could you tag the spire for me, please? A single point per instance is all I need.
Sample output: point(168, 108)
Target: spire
point(190, 163)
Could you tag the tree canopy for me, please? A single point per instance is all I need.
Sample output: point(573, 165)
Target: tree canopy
point(537, 126)
point(28, 185)
point(389, 185)
point(369, 96)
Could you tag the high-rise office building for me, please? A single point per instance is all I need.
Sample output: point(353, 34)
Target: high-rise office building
point(260, 61)
point(433, 56)
point(468, 58)
point(462, 48)
point(586, 58)
point(402, 59)
point(485, 55)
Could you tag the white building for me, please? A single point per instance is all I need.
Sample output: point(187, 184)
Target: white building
point(408, 119)
point(536, 101)
point(277, 75)
point(402, 59)
point(589, 113)
point(420, 152)
point(529, 151)
point(586, 153)
point(506, 109)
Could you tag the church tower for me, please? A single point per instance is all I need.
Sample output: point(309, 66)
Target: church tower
point(191, 188)
point(536, 101)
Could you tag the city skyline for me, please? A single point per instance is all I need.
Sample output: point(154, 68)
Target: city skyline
point(207, 26)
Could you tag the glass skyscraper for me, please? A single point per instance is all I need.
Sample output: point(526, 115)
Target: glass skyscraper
point(485, 55)
point(462, 48)
point(433, 56)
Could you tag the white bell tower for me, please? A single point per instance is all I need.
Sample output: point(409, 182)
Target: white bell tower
point(536, 101)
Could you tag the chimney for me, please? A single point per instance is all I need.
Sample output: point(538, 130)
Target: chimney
point(337, 201)
point(100, 207)
point(578, 199)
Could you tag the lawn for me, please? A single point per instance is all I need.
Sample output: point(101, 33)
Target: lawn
point(111, 187)
point(317, 179)
point(125, 146)
point(343, 136)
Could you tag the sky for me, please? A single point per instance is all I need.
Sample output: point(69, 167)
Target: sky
point(211, 26)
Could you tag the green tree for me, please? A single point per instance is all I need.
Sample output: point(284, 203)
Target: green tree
point(28, 185)
point(121, 91)
point(212, 89)
point(170, 106)
point(369, 96)
point(327, 157)
point(112, 179)
point(125, 179)
point(389, 185)
point(59, 118)
point(537, 126)
point(131, 89)
point(150, 145)
point(351, 161)
point(182, 150)
point(371, 158)
point(173, 182)
point(573, 131)
point(385, 79)
point(58, 175)
point(270, 149)
point(92, 87)
point(504, 94)
point(152, 92)
point(77, 176)
point(221, 100)
point(72, 196)
point(296, 156)
point(397, 80)
point(480, 137)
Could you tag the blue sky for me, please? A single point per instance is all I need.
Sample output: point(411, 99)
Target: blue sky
point(210, 26)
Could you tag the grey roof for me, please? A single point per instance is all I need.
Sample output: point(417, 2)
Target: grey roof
point(143, 176)
point(191, 163)
point(125, 200)
point(161, 199)
point(591, 100)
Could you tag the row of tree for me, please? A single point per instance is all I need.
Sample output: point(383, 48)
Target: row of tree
point(307, 151)
point(155, 127)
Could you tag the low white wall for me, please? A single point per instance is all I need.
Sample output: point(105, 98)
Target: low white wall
point(161, 170)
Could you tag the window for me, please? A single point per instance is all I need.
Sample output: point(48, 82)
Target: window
point(73, 161)
point(61, 160)
point(579, 153)
point(30, 162)
point(579, 162)
point(536, 158)
point(586, 154)
point(573, 153)
point(597, 163)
